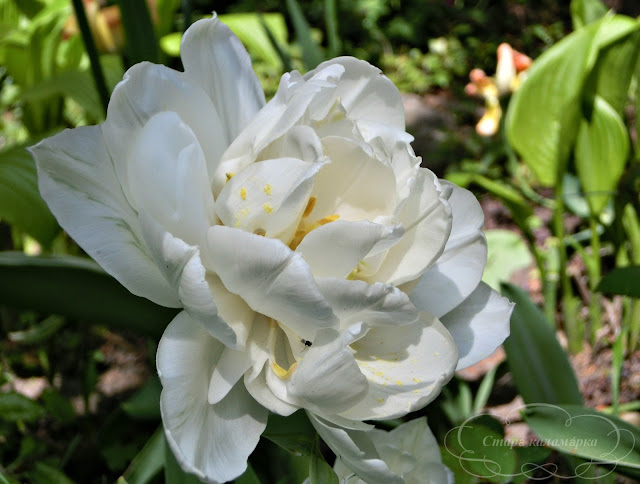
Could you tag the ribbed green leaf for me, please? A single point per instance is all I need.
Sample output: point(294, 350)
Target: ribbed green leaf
point(20, 201)
point(77, 288)
point(623, 280)
point(601, 152)
point(540, 367)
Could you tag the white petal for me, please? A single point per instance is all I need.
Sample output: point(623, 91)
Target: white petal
point(356, 450)
point(168, 178)
point(458, 270)
point(406, 367)
point(182, 266)
point(232, 309)
point(215, 59)
point(148, 89)
point(426, 217)
point(280, 114)
point(374, 304)
point(228, 370)
point(335, 249)
point(300, 142)
point(271, 278)
point(479, 325)
point(269, 195)
point(211, 441)
point(327, 378)
point(78, 181)
point(366, 93)
point(346, 185)
point(260, 390)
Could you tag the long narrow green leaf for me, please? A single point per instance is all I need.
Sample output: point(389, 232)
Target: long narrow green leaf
point(148, 462)
point(624, 281)
point(140, 37)
point(539, 365)
point(311, 54)
point(92, 52)
point(584, 12)
point(331, 24)
point(78, 288)
point(20, 201)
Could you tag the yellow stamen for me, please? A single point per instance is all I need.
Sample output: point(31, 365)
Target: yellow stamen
point(328, 219)
point(229, 175)
point(267, 189)
point(267, 207)
point(262, 232)
point(281, 372)
point(310, 206)
point(243, 193)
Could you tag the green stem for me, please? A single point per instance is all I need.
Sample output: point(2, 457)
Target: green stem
point(632, 228)
point(595, 271)
point(570, 323)
point(92, 52)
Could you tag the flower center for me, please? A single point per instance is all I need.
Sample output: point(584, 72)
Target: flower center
point(305, 226)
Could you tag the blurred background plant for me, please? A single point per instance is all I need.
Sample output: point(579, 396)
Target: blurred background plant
point(555, 164)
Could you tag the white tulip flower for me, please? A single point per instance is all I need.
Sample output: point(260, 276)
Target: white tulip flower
point(318, 266)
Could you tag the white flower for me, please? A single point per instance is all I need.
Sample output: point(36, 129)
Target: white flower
point(318, 266)
point(410, 451)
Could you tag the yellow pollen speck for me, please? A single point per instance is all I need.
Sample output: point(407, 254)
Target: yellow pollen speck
point(436, 354)
point(281, 372)
point(229, 176)
point(380, 400)
point(310, 205)
point(417, 380)
point(267, 189)
point(262, 232)
point(379, 373)
point(267, 207)
point(398, 382)
point(243, 193)
point(415, 391)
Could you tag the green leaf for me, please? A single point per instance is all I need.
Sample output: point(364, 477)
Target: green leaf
point(581, 431)
point(148, 462)
point(584, 12)
point(540, 367)
point(311, 54)
point(45, 474)
point(601, 152)
point(294, 433)
point(78, 85)
point(249, 476)
point(624, 281)
point(77, 288)
point(319, 471)
point(20, 202)
point(480, 451)
point(331, 24)
point(619, 44)
point(173, 473)
point(543, 115)
point(140, 37)
point(507, 253)
point(145, 403)
point(248, 27)
point(170, 44)
point(16, 407)
point(513, 199)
